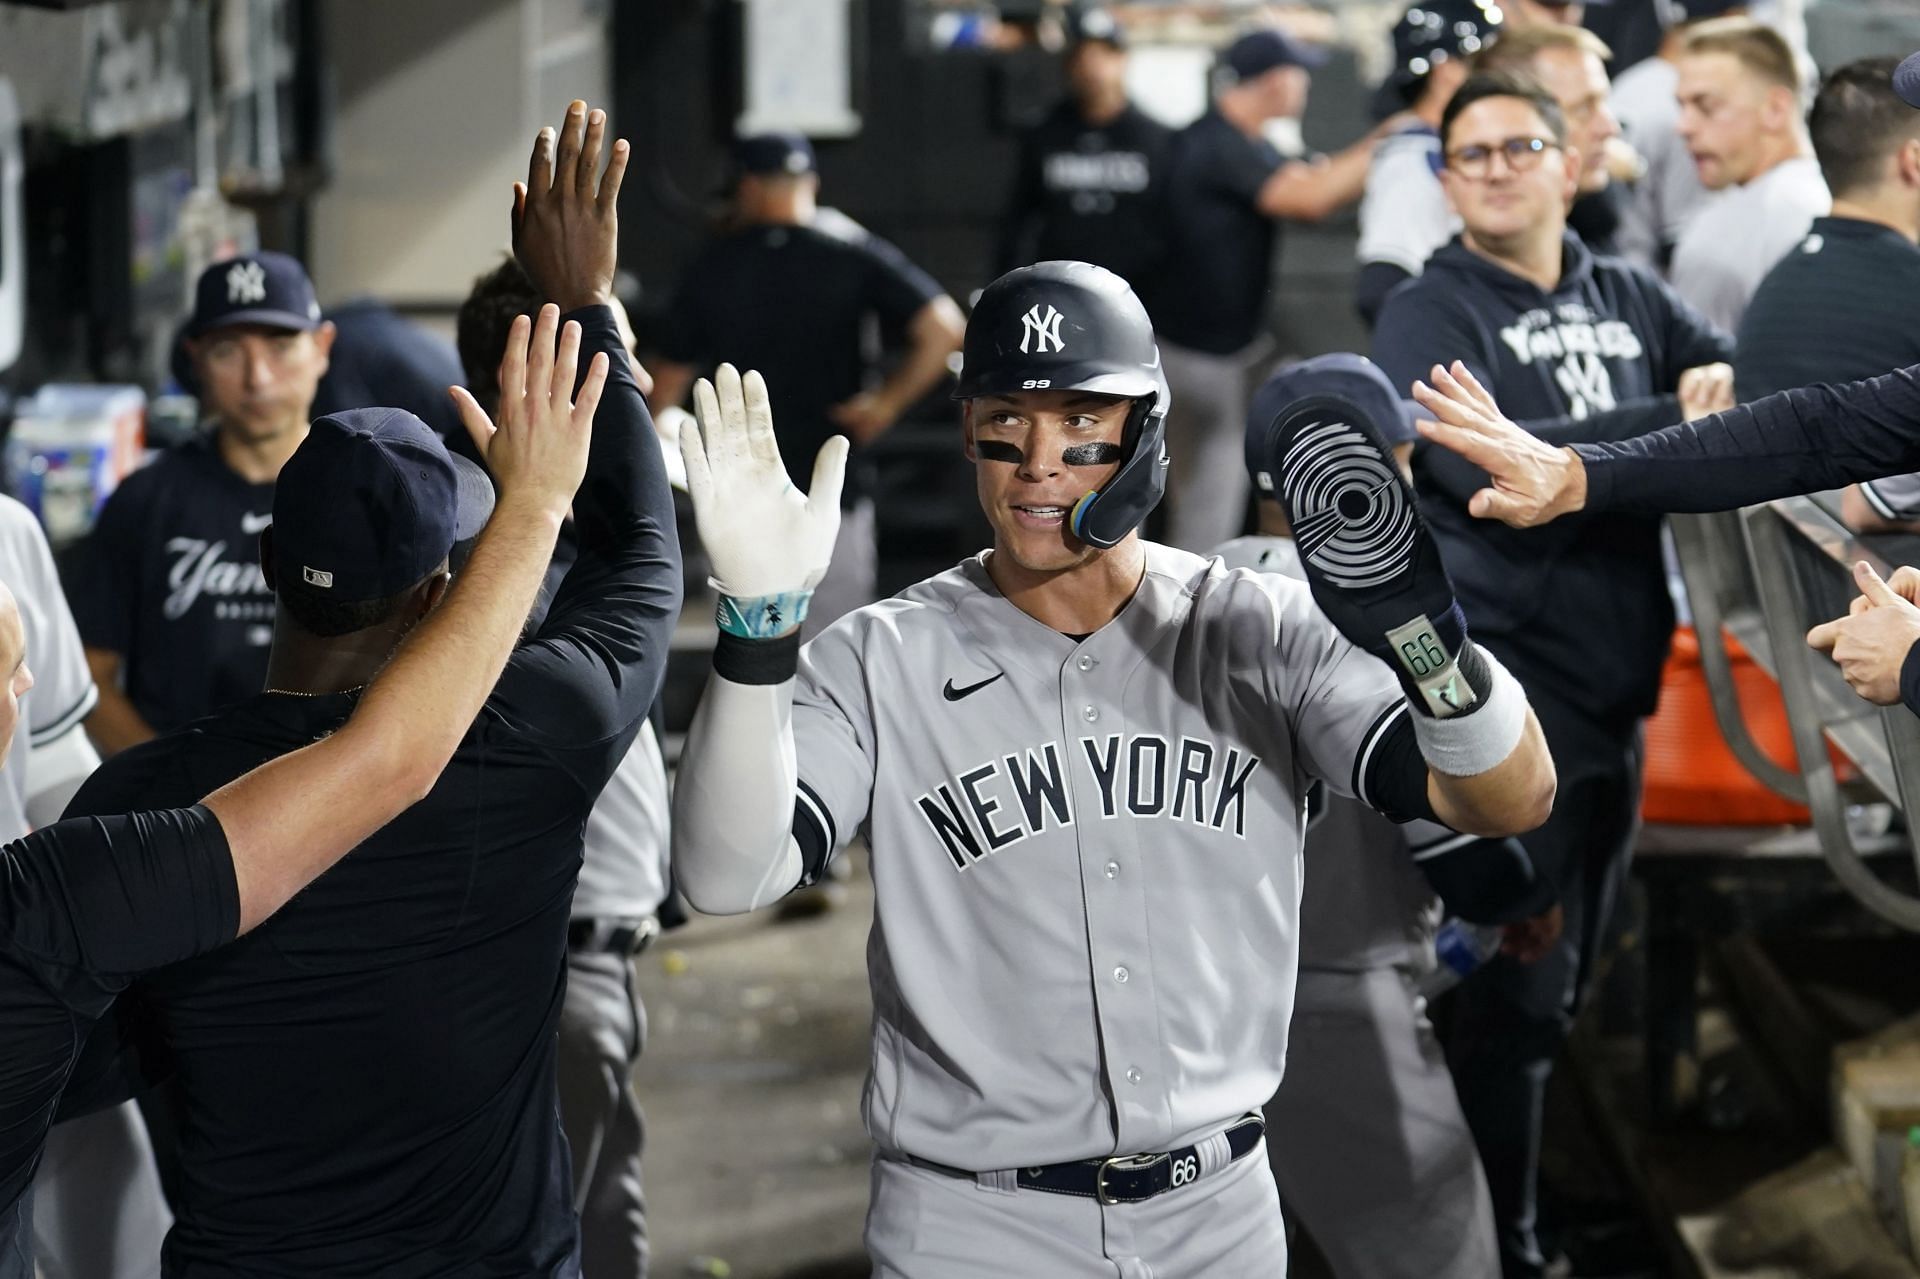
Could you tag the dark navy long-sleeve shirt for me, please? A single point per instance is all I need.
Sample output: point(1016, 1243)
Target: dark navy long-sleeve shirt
point(1799, 441)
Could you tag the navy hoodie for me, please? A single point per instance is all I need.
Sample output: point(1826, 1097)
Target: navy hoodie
point(1578, 608)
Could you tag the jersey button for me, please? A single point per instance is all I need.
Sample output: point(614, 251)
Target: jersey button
point(1087, 661)
point(1120, 975)
point(1113, 870)
point(1133, 1074)
point(1090, 714)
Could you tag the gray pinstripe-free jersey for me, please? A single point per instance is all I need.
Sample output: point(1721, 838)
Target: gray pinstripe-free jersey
point(1086, 854)
point(1369, 905)
point(1404, 215)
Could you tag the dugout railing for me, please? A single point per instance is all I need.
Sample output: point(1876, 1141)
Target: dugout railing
point(1765, 576)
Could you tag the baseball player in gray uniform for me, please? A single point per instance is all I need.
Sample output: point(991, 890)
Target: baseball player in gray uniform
point(1404, 215)
point(1081, 762)
point(97, 1209)
point(1366, 1076)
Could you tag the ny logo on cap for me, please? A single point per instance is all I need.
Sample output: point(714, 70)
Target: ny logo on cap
point(1040, 330)
point(246, 282)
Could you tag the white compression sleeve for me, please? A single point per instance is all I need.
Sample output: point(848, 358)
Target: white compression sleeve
point(733, 846)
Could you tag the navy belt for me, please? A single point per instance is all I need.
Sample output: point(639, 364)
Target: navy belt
point(1124, 1179)
point(611, 936)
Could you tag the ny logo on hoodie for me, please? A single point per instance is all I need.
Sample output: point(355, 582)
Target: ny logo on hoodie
point(1570, 334)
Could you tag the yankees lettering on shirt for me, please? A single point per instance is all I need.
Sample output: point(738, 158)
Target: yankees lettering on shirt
point(1003, 801)
point(1575, 335)
point(171, 582)
point(1090, 181)
point(203, 568)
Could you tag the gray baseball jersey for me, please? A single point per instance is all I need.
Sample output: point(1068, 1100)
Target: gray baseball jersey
point(1404, 215)
point(1896, 497)
point(1407, 1197)
point(63, 693)
point(1367, 905)
point(1086, 853)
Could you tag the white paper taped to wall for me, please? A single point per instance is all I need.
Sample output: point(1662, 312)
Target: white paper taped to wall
point(799, 68)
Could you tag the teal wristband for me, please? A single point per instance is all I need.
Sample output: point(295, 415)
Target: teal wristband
point(762, 616)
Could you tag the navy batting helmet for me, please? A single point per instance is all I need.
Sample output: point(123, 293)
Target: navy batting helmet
point(1073, 326)
point(1431, 32)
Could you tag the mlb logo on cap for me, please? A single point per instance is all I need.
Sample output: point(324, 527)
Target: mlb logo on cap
point(268, 289)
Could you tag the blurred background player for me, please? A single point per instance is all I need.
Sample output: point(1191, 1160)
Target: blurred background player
point(1365, 1073)
point(1404, 215)
point(790, 290)
point(98, 1212)
point(1227, 186)
point(1840, 305)
point(1668, 189)
point(1086, 183)
point(169, 599)
point(1739, 89)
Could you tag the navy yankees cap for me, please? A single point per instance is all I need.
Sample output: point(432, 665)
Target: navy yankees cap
point(254, 288)
point(772, 154)
point(370, 503)
point(1353, 378)
point(1697, 10)
point(1906, 80)
point(1258, 52)
point(1095, 24)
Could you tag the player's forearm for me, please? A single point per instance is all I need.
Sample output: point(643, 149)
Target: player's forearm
point(115, 725)
point(1510, 798)
point(1799, 441)
point(1483, 881)
point(289, 820)
point(1455, 475)
point(626, 483)
point(1310, 192)
point(733, 847)
point(933, 336)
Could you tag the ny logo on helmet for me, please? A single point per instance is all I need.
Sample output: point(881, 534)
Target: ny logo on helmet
point(247, 282)
point(1040, 330)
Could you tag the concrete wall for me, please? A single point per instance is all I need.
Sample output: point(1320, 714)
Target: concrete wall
point(435, 105)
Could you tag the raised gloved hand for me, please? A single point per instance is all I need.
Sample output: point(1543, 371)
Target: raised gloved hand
point(1367, 553)
point(768, 542)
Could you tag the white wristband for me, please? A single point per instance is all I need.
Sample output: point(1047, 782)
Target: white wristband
point(1467, 745)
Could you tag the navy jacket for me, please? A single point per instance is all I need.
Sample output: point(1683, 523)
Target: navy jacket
point(1581, 604)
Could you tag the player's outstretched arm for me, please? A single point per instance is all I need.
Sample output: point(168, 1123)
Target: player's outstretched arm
point(733, 845)
point(289, 820)
point(1797, 441)
point(1470, 753)
point(1529, 480)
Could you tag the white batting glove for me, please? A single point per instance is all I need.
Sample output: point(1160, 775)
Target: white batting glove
point(765, 538)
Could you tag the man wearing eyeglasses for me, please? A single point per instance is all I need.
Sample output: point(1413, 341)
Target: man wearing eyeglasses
point(1577, 347)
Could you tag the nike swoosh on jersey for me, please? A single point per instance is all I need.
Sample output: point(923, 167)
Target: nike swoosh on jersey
point(953, 694)
point(255, 524)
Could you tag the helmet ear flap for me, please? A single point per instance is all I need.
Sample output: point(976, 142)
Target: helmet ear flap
point(1107, 514)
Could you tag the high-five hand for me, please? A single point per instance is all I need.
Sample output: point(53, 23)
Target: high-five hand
point(766, 539)
point(1704, 390)
point(565, 228)
point(1533, 482)
point(1871, 643)
point(538, 453)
